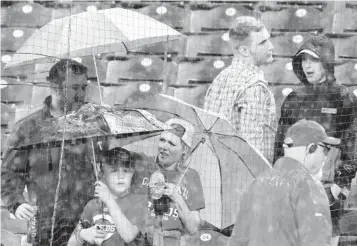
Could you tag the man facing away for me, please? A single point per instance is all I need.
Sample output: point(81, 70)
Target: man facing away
point(240, 93)
point(37, 169)
point(287, 205)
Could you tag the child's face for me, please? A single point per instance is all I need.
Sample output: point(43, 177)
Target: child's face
point(118, 179)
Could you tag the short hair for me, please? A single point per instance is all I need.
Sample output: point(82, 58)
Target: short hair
point(62, 66)
point(243, 26)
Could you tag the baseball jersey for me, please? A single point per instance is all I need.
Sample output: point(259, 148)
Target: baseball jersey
point(132, 206)
point(190, 189)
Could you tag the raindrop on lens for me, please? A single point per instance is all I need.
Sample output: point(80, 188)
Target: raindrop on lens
point(298, 39)
point(161, 10)
point(144, 87)
point(301, 13)
point(146, 62)
point(91, 8)
point(287, 91)
point(218, 64)
point(6, 58)
point(27, 9)
point(231, 11)
point(289, 66)
point(18, 33)
point(225, 37)
point(3, 84)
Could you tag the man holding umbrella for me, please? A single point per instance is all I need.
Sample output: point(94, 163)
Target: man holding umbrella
point(37, 169)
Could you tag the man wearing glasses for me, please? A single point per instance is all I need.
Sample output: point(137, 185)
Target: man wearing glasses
point(287, 205)
point(37, 169)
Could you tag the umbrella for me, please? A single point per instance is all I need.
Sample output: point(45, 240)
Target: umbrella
point(92, 121)
point(226, 163)
point(91, 33)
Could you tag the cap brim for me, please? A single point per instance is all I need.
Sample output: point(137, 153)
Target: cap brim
point(313, 54)
point(332, 141)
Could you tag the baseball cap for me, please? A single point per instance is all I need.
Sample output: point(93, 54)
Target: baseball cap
point(305, 132)
point(186, 134)
point(116, 156)
point(310, 52)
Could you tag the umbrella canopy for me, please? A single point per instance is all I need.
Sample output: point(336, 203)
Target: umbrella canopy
point(226, 163)
point(90, 33)
point(93, 121)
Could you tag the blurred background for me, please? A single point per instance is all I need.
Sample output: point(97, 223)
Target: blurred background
point(191, 63)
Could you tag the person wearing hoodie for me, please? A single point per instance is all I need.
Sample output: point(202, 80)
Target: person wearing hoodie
point(321, 98)
point(240, 93)
point(37, 169)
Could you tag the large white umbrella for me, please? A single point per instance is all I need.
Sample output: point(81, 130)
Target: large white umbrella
point(90, 33)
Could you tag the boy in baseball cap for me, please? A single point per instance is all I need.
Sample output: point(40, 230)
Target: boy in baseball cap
point(117, 217)
point(287, 205)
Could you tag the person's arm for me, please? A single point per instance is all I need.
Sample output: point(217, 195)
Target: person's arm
point(249, 120)
point(287, 119)
point(312, 212)
point(14, 172)
point(126, 229)
point(190, 219)
point(89, 234)
point(347, 131)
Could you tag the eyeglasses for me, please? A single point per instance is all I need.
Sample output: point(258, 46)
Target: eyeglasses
point(326, 148)
point(76, 69)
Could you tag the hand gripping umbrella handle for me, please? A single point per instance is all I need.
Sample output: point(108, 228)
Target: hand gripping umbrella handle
point(203, 140)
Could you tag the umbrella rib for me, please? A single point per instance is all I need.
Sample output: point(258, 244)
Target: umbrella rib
point(237, 155)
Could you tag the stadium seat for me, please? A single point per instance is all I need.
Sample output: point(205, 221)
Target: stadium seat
point(7, 114)
point(201, 71)
point(12, 38)
point(346, 73)
point(215, 44)
point(280, 72)
point(286, 44)
point(169, 14)
point(17, 93)
point(21, 14)
point(194, 95)
point(303, 18)
point(173, 48)
point(23, 71)
point(345, 47)
point(138, 68)
point(218, 18)
point(349, 19)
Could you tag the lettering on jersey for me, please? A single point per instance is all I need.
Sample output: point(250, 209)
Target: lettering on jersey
point(173, 212)
point(105, 222)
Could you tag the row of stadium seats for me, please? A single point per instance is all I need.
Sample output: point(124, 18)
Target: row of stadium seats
point(321, 16)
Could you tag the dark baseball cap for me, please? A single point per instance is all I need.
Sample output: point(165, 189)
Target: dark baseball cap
point(116, 156)
point(305, 132)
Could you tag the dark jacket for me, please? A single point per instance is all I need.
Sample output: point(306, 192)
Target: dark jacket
point(283, 206)
point(38, 170)
point(328, 103)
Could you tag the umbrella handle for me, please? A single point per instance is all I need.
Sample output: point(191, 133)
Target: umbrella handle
point(96, 73)
point(94, 161)
point(202, 141)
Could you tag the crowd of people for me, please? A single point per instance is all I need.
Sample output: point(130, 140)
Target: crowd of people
point(142, 200)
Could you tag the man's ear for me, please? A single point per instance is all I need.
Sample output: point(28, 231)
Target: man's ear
point(243, 50)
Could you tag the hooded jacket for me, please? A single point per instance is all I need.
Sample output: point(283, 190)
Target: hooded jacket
point(327, 103)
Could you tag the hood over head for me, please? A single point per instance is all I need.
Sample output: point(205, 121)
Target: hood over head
point(319, 47)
